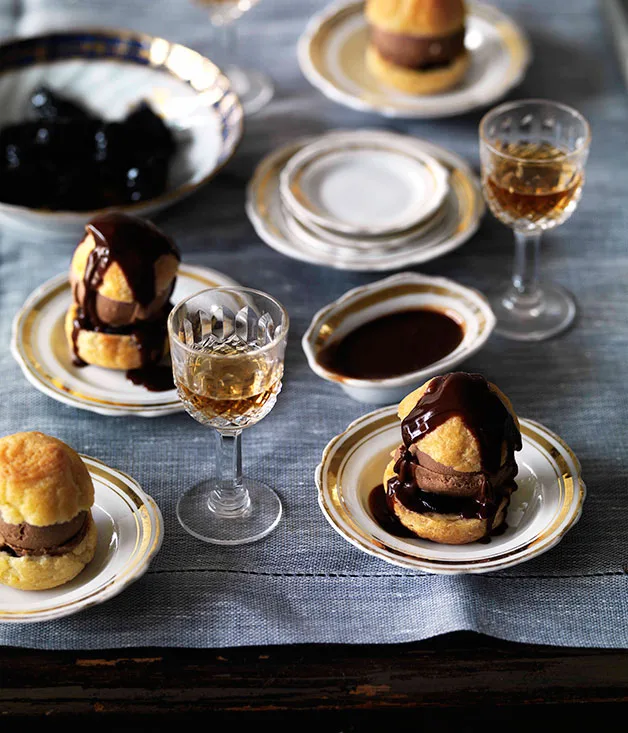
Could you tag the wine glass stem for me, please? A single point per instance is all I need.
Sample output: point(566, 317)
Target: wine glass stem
point(525, 291)
point(229, 498)
point(229, 39)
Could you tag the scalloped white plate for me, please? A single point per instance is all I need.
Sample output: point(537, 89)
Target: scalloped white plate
point(331, 55)
point(130, 533)
point(363, 185)
point(464, 208)
point(40, 347)
point(546, 504)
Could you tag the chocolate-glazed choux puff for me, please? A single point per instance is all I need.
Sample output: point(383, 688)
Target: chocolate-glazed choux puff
point(122, 275)
point(417, 46)
point(451, 479)
point(47, 533)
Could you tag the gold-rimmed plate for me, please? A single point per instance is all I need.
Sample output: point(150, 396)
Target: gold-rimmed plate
point(40, 347)
point(331, 56)
point(546, 504)
point(130, 533)
point(365, 187)
point(464, 208)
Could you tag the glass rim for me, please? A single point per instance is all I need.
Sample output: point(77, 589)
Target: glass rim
point(223, 289)
point(520, 102)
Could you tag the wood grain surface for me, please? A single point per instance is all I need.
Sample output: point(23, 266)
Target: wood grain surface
point(456, 677)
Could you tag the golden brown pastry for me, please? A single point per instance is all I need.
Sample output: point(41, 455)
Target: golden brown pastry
point(451, 479)
point(122, 275)
point(417, 46)
point(47, 533)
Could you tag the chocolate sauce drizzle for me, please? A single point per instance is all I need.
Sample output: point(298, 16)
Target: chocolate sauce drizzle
point(134, 245)
point(470, 397)
point(384, 515)
point(492, 424)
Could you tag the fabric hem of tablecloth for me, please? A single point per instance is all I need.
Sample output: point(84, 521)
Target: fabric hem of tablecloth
point(289, 610)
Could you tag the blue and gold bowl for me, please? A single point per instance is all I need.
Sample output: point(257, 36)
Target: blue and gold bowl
point(109, 71)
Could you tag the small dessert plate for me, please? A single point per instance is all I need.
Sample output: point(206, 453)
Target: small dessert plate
point(364, 186)
point(319, 236)
point(331, 55)
point(407, 290)
point(330, 242)
point(464, 208)
point(130, 533)
point(545, 506)
point(40, 347)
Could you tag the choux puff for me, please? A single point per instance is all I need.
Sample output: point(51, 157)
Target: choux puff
point(451, 479)
point(47, 532)
point(417, 46)
point(122, 275)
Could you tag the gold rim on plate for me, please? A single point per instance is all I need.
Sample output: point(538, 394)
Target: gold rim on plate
point(265, 181)
point(22, 346)
point(148, 524)
point(329, 480)
point(312, 49)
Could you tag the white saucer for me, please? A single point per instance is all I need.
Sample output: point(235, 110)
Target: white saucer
point(40, 347)
point(547, 503)
point(333, 244)
point(331, 55)
point(363, 185)
point(130, 533)
point(326, 238)
point(465, 204)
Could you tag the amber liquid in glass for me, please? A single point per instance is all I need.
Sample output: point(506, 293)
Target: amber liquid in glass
point(540, 192)
point(233, 392)
point(236, 409)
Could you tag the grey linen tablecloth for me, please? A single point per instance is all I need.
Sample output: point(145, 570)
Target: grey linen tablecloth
point(304, 583)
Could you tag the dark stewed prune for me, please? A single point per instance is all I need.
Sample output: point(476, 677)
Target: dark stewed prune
point(48, 105)
point(69, 159)
point(149, 131)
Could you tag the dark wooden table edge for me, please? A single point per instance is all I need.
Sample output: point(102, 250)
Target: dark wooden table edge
point(461, 673)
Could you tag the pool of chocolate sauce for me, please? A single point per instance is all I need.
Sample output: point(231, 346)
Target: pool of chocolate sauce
point(395, 344)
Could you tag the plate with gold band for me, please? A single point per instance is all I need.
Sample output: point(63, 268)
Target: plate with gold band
point(545, 506)
point(129, 534)
point(336, 54)
point(40, 346)
point(462, 211)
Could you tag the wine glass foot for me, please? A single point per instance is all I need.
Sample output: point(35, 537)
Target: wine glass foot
point(254, 88)
point(261, 517)
point(552, 312)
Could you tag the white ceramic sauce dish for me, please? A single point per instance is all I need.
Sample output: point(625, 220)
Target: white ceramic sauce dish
point(405, 291)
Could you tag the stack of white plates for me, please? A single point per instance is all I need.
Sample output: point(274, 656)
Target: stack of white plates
point(364, 200)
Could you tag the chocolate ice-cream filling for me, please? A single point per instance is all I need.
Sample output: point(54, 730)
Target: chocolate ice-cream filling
point(418, 52)
point(115, 313)
point(413, 485)
point(53, 539)
point(437, 478)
